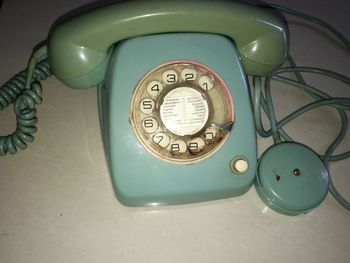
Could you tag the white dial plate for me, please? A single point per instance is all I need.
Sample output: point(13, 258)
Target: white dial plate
point(184, 111)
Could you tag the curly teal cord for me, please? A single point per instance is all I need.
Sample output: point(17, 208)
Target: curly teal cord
point(341, 105)
point(25, 92)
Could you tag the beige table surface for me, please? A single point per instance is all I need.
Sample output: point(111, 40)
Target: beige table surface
point(56, 198)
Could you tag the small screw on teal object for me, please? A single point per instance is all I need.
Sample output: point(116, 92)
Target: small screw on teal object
point(296, 172)
point(291, 178)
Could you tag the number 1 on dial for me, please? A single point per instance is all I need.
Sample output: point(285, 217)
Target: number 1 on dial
point(206, 83)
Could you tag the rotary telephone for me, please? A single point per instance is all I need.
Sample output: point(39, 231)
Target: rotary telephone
point(174, 104)
point(174, 107)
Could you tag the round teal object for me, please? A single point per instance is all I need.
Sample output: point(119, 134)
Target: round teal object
point(291, 178)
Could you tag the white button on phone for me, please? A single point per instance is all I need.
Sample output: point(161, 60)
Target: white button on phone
point(240, 165)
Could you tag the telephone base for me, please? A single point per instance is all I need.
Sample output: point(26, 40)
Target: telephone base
point(143, 179)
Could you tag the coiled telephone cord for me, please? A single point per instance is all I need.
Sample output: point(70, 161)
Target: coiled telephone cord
point(25, 92)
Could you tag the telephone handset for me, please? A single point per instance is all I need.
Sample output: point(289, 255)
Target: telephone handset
point(174, 104)
point(79, 49)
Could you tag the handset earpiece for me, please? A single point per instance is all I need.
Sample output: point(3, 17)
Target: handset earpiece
point(79, 49)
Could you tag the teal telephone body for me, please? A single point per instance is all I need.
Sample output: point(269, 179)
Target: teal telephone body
point(187, 134)
point(174, 103)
